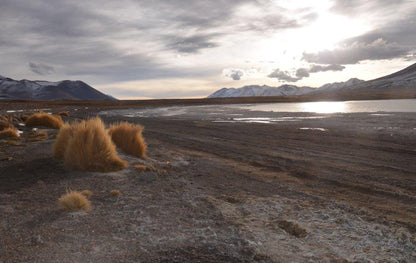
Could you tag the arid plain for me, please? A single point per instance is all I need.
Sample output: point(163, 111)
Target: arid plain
point(218, 192)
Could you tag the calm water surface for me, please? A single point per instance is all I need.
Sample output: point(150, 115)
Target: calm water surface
point(337, 106)
point(272, 112)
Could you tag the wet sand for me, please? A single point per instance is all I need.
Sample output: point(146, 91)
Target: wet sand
point(223, 192)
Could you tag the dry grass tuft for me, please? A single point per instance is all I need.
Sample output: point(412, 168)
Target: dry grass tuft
point(144, 168)
point(9, 133)
point(38, 136)
point(141, 168)
point(44, 119)
point(74, 201)
point(62, 140)
point(4, 125)
point(115, 193)
point(129, 138)
point(87, 146)
point(292, 228)
point(86, 193)
point(64, 113)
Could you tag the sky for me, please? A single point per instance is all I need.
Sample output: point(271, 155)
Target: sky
point(137, 49)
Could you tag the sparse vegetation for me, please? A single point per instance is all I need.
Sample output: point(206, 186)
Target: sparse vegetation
point(86, 193)
point(9, 133)
point(74, 201)
point(129, 138)
point(37, 136)
point(292, 228)
point(4, 125)
point(141, 168)
point(64, 113)
point(44, 119)
point(144, 168)
point(87, 146)
point(62, 139)
point(115, 193)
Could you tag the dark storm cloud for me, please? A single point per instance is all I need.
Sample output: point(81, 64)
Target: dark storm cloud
point(302, 73)
point(358, 7)
point(234, 74)
point(358, 51)
point(41, 69)
point(320, 68)
point(192, 44)
point(93, 37)
point(283, 76)
point(396, 39)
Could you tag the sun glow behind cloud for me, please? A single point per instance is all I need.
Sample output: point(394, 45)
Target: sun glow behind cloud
point(140, 45)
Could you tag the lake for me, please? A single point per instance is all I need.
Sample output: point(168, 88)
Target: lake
point(407, 105)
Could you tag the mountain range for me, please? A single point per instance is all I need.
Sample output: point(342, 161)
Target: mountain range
point(11, 89)
point(403, 81)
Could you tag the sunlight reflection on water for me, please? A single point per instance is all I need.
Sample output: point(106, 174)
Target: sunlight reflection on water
point(324, 107)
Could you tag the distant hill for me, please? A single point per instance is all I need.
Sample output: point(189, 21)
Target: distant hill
point(255, 90)
point(11, 89)
point(403, 81)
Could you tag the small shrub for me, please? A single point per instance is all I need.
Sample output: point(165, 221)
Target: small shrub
point(115, 193)
point(44, 119)
point(144, 168)
point(38, 136)
point(141, 168)
point(64, 113)
point(4, 125)
point(74, 201)
point(87, 146)
point(86, 193)
point(62, 139)
point(129, 138)
point(9, 133)
point(292, 228)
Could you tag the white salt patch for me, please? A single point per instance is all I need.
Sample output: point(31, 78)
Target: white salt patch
point(19, 132)
point(314, 129)
point(10, 111)
point(381, 114)
point(251, 119)
point(22, 124)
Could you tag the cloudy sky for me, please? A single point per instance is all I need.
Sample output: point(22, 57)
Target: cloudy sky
point(190, 48)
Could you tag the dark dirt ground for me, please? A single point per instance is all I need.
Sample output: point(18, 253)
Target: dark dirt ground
point(221, 192)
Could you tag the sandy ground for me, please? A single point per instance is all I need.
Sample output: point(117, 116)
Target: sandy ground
point(222, 192)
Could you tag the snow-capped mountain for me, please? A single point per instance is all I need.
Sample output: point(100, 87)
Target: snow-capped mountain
point(11, 89)
point(403, 81)
point(339, 85)
point(255, 90)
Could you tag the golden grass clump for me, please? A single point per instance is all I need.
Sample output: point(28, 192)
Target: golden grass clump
point(38, 136)
point(61, 143)
point(86, 193)
point(141, 168)
point(74, 201)
point(44, 119)
point(4, 125)
point(129, 138)
point(144, 168)
point(87, 146)
point(9, 133)
point(115, 193)
point(64, 113)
